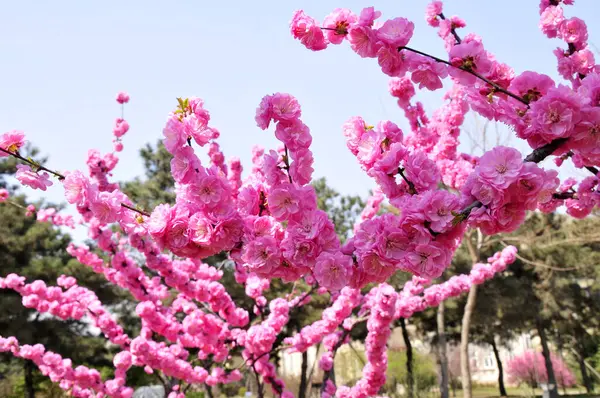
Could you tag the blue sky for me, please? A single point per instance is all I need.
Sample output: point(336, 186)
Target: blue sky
point(63, 62)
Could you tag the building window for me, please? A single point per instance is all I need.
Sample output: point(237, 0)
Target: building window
point(488, 362)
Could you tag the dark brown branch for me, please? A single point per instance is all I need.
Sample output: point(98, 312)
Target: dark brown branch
point(544, 151)
point(470, 71)
point(143, 213)
point(411, 186)
point(564, 195)
point(286, 161)
point(452, 30)
point(60, 176)
point(329, 373)
point(36, 165)
point(536, 156)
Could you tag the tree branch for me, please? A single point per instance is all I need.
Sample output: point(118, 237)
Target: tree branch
point(470, 71)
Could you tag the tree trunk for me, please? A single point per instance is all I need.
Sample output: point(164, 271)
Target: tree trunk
point(587, 381)
point(559, 345)
point(547, 360)
point(29, 387)
point(303, 376)
point(500, 370)
point(209, 392)
point(474, 252)
point(442, 354)
point(464, 342)
point(409, 360)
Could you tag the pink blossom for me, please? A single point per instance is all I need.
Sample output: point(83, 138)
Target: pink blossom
point(284, 107)
point(262, 255)
point(106, 206)
point(121, 127)
point(122, 97)
point(531, 86)
point(396, 32)
point(159, 219)
point(401, 88)
point(295, 135)
point(353, 130)
point(32, 179)
point(368, 16)
point(200, 230)
point(306, 29)
point(427, 260)
point(301, 168)
point(11, 142)
point(338, 23)
point(185, 165)
point(551, 20)
point(530, 368)
point(393, 62)
point(363, 40)
point(422, 171)
point(554, 115)
point(3, 195)
point(208, 190)
point(333, 271)
point(500, 166)
point(283, 202)
point(174, 134)
point(427, 72)
point(30, 210)
point(574, 31)
point(433, 10)
point(468, 56)
point(590, 89)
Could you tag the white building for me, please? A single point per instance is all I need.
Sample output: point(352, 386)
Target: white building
point(484, 369)
point(349, 359)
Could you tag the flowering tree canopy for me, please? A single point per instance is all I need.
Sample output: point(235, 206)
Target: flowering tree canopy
point(529, 368)
point(269, 225)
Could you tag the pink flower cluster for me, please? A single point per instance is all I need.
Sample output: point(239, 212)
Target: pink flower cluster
point(32, 178)
point(51, 215)
point(80, 381)
point(529, 368)
point(121, 125)
point(269, 225)
point(66, 301)
point(11, 142)
point(331, 319)
point(507, 187)
point(378, 325)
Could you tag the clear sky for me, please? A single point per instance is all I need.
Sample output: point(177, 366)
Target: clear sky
point(64, 61)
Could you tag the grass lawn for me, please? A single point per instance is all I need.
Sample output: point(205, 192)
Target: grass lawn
point(491, 392)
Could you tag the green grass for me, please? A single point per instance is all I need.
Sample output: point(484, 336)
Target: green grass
point(492, 392)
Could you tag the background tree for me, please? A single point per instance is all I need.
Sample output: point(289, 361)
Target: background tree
point(37, 250)
point(157, 186)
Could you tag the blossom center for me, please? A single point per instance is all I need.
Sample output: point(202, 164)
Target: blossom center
point(341, 27)
point(554, 116)
point(501, 168)
point(468, 63)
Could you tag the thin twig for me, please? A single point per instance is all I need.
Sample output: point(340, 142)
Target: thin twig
point(537, 264)
point(286, 161)
point(411, 186)
point(470, 71)
point(36, 165)
point(452, 30)
point(143, 213)
point(60, 176)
